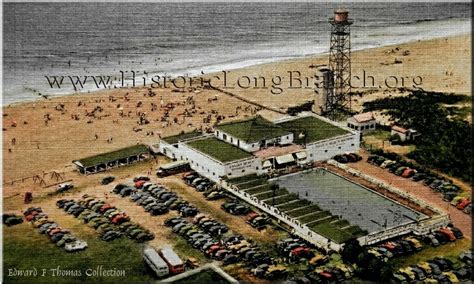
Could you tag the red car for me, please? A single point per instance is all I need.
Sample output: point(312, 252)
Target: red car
point(189, 174)
point(408, 173)
point(213, 249)
point(120, 218)
point(31, 216)
point(250, 216)
point(389, 245)
point(139, 183)
point(327, 276)
point(448, 233)
point(105, 207)
point(463, 203)
point(301, 252)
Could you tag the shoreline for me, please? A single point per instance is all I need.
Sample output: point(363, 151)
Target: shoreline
point(50, 133)
point(315, 56)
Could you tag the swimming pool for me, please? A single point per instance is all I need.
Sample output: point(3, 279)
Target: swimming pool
point(353, 202)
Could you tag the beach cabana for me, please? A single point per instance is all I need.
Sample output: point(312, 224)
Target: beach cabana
point(114, 159)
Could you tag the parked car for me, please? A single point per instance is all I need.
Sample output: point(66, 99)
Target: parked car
point(466, 256)
point(425, 267)
point(443, 264)
point(449, 196)
point(75, 246)
point(415, 243)
point(64, 187)
point(143, 178)
point(463, 203)
point(431, 240)
point(448, 233)
point(442, 238)
point(107, 180)
point(408, 173)
point(457, 233)
point(435, 270)
point(12, 219)
point(171, 222)
point(341, 159)
point(418, 176)
point(419, 274)
point(235, 208)
point(463, 273)
point(468, 209)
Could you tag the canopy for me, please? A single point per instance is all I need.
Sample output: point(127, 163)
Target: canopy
point(301, 155)
point(288, 158)
point(267, 164)
point(173, 165)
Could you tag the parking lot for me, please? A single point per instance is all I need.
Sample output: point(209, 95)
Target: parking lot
point(265, 238)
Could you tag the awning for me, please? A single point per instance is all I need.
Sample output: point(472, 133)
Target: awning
point(301, 155)
point(288, 158)
point(267, 164)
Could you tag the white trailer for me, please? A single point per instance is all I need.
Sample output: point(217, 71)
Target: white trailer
point(155, 262)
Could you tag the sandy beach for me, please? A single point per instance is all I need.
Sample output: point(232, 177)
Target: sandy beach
point(48, 134)
point(42, 137)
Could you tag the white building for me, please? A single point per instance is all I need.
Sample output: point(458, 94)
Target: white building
point(405, 134)
point(253, 134)
point(321, 137)
point(257, 146)
point(364, 122)
point(210, 157)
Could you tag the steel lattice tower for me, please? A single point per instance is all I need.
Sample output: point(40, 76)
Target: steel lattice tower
point(339, 63)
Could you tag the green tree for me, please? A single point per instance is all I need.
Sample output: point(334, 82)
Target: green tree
point(351, 250)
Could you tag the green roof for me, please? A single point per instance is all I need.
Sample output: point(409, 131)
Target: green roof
point(218, 149)
point(314, 128)
point(114, 155)
point(253, 130)
point(182, 136)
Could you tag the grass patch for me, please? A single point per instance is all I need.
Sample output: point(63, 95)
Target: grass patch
point(114, 155)
point(315, 129)
point(315, 216)
point(293, 205)
point(327, 220)
point(341, 223)
point(253, 130)
point(450, 250)
point(332, 232)
point(252, 183)
point(309, 218)
point(176, 138)
point(182, 247)
point(279, 192)
point(259, 189)
point(283, 199)
point(304, 211)
point(244, 178)
point(219, 150)
point(379, 134)
point(25, 248)
point(355, 230)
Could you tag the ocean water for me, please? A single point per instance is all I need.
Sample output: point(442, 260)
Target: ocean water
point(77, 39)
